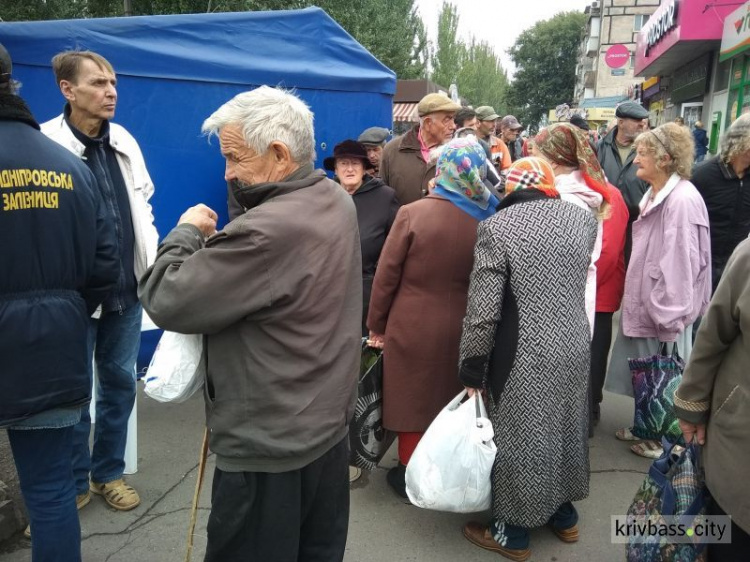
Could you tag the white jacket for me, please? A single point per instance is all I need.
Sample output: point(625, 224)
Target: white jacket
point(138, 182)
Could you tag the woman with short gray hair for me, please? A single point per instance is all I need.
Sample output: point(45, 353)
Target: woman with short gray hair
point(668, 280)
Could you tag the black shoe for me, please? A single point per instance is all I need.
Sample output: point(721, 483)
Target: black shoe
point(396, 478)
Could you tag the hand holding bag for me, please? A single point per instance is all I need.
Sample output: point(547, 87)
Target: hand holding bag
point(655, 379)
point(177, 369)
point(450, 468)
point(368, 439)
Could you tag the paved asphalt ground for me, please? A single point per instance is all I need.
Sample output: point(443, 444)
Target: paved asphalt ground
point(381, 527)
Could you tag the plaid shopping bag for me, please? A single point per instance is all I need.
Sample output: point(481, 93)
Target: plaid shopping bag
point(674, 487)
point(655, 379)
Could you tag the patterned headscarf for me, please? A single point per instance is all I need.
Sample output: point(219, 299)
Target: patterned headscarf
point(460, 173)
point(567, 145)
point(533, 173)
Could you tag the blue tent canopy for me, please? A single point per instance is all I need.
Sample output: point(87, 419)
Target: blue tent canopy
point(174, 71)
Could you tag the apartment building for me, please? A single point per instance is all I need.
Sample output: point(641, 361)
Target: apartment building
point(607, 54)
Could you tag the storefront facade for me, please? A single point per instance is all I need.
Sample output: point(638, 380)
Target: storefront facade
point(734, 52)
point(678, 49)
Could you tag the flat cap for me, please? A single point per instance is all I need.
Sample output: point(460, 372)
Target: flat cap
point(631, 110)
point(432, 103)
point(510, 122)
point(486, 113)
point(374, 135)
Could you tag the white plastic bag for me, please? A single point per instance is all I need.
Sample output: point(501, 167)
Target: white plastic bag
point(177, 369)
point(450, 468)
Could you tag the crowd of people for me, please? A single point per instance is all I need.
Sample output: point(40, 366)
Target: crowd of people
point(473, 257)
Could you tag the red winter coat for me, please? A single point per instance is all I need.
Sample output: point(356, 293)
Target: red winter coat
point(610, 267)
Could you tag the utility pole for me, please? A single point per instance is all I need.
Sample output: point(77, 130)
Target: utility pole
point(128, 7)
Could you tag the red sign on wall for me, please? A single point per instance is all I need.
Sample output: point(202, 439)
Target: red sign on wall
point(617, 56)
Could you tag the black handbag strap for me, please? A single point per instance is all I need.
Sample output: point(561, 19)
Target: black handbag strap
point(664, 350)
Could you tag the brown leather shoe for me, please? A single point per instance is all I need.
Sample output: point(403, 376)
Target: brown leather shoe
point(569, 535)
point(480, 535)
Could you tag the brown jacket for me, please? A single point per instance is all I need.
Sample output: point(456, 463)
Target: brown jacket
point(278, 293)
point(403, 168)
point(715, 388)
point(419, 302)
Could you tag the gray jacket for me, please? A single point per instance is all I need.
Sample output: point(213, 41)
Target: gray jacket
point(715, 388)
point(278, 293)
point(622, 174)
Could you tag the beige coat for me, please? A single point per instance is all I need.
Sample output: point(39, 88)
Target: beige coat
point(716, 388)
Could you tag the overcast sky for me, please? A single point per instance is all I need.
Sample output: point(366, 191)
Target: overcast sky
point(498, 22)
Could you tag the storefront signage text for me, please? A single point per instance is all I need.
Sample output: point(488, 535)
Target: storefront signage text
point(664, 23)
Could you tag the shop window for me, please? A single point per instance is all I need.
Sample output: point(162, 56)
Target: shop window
point(722, 75)
point(737, 72)
point(639, 21)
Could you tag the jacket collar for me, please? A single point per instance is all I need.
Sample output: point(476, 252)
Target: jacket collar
point(410, 141)
point(523, 196)
point(660, 197)
point(251, 196)
point(13, 108)
point(726, 170)
point(59, 129)
point(368, 184)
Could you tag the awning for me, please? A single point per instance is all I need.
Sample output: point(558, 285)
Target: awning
point(405, 112)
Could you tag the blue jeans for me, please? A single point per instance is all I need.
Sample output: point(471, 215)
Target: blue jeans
point(43, 461)
point(114, 338)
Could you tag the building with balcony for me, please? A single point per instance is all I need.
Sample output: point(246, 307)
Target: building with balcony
point(607, 53)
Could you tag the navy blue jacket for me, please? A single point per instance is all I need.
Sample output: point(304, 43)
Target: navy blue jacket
point(59, 261)
point(701, 141)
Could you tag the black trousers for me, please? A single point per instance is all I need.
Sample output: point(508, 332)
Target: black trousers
point(296, 516)
point(600, 344)
point(738, 550)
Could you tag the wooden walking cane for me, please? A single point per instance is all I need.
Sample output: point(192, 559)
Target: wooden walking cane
point(198, 486)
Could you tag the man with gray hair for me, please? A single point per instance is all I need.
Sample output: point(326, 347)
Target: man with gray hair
point(278, 295)
point(721, 182)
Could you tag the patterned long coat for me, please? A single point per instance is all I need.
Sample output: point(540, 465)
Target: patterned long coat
point(526, 339)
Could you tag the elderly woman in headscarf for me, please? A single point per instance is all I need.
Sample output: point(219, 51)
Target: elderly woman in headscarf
point(526, 344)
point(579, 179)
point(668, 281)
point(419, 296)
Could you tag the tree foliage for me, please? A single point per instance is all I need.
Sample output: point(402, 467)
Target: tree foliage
point(545, 56)
point(450, 54)
point(390, 29)
point(482, 79)
point(473, 67)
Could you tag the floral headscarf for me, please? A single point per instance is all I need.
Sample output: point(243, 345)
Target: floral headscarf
point(533, 173)
point(567, 145)
point(461, 169)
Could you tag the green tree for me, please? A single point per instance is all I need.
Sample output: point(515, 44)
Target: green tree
point(450, 53)
point(482, 79)
point(545, 56)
